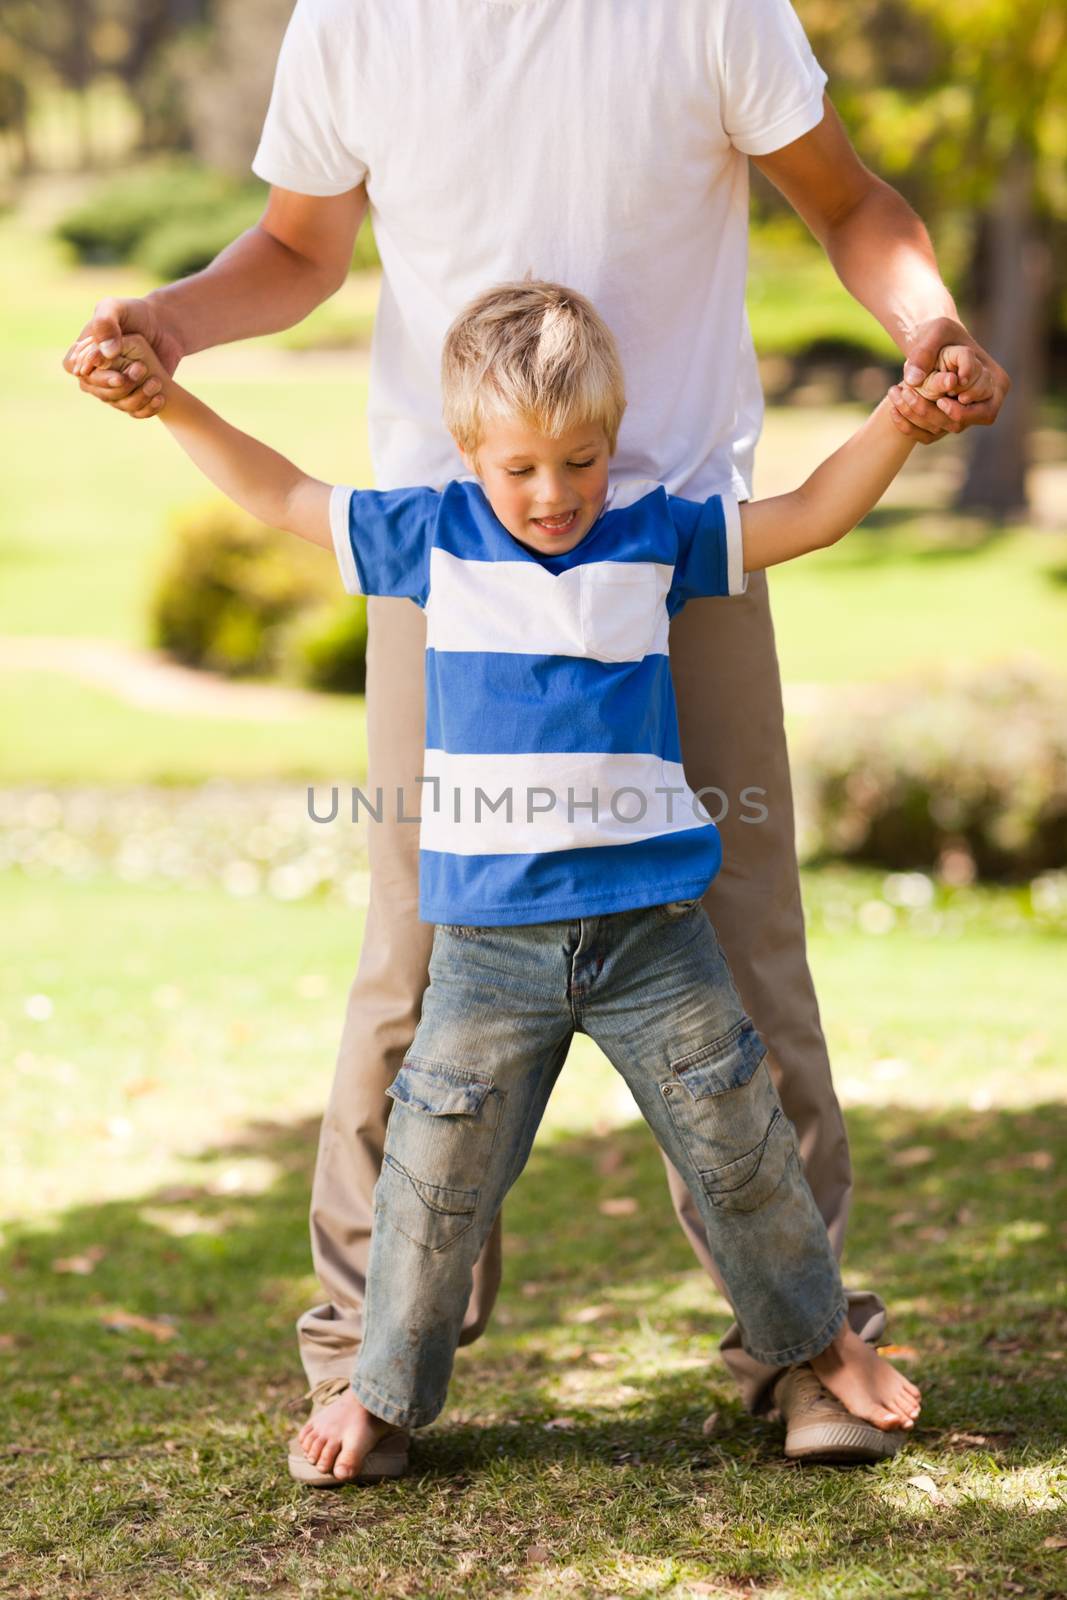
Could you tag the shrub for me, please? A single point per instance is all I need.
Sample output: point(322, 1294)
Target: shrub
point(121, 215)
point(229, 588)
point(968, 776)
point(173, 216)
point(188, 242)
point(328, 648)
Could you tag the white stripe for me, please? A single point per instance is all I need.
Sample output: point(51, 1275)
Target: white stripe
point(736, 576)
point(605, 610)
point(543, 788)
point(340, 500)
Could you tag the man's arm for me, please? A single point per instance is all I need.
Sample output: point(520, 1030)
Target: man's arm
point(882, 253)
point(271, 277)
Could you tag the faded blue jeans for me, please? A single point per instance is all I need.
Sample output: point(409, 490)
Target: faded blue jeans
point(653, 989)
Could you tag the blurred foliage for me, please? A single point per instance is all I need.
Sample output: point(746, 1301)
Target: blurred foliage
point(240, 48)
point(965, 109)
point(328, 648)
point(74, 42)
point(937, 98)
point(127, 217)
point(239, 598)
point(172, 215)
point(968, 777)
point(229, 587)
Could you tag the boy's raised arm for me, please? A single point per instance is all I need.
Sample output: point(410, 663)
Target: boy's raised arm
point(250, 473)
point(841, 491)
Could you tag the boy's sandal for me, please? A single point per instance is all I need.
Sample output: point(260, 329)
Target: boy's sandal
point(388, 1459)
point(819, 1429)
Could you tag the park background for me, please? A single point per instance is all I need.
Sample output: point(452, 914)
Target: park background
point(178, 938)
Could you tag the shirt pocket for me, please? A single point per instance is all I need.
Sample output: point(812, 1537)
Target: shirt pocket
point(622, 611)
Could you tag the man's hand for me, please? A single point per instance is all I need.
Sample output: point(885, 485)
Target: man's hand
point(92, 357)
point(926, 406)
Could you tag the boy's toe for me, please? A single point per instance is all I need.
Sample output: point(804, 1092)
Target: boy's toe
point(345, 1465)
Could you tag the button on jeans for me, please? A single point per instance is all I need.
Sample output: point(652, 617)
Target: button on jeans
point(653, 989)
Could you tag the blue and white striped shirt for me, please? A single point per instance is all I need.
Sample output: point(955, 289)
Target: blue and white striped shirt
point(553, 785)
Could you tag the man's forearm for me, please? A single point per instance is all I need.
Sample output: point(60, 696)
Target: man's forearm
point(882, 253)
point(256, 285)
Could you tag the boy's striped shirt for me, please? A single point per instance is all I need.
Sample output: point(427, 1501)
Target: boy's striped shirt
point(553, 785)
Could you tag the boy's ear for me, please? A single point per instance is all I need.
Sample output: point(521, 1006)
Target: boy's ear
point(469, 460)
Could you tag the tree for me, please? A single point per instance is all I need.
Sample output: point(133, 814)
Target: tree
point(76, 41)
point(965, 108)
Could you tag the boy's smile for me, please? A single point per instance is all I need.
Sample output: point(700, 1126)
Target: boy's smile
point(547, 492)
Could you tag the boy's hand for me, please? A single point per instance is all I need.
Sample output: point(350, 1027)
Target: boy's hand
point(111, 322)
point(981, 390)
point(959, 379)
point(134, 360)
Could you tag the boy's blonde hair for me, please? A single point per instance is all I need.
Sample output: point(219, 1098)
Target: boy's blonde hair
point(532, 350)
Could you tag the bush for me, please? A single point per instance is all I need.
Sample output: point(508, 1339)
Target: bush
point(229, 589)
point(967, 777)
point(172, 217)
point(120, 216)
point(328, 649)
point(188, 243)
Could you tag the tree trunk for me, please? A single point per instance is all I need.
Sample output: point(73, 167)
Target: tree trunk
point(1014, 328)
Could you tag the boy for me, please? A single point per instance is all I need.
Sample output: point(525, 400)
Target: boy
point(562, 854)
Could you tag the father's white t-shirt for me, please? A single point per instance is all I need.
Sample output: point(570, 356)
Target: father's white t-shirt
point(599, 143)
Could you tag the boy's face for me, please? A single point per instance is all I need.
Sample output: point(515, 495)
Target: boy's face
point(546, 492)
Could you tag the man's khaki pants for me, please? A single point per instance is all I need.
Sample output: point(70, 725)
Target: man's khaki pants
point(730, 713)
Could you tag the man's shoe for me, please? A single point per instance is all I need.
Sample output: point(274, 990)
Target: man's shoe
point(818, 1428)
point(388, 1459)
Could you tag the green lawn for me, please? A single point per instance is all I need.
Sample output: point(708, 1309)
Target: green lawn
point(170, 1050)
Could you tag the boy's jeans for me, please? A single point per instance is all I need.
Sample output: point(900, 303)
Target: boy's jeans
point(652, 987)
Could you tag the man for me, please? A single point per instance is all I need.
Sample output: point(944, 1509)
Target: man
point(605, 146)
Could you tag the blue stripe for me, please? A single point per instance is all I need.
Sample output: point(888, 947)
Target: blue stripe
point(549, 703)
point(492, 891)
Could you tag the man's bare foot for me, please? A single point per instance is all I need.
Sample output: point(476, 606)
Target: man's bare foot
point(339, 1438)
point(865, 1384)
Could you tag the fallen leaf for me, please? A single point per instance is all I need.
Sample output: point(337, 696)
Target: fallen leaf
point(611, 1160)
point(926, 1484)
point(710, 1424)
point(559, 1425)
point(138, 1086)
point(7, 1341)
point(601, 1358)
point(916, 1155)
point(591, 1313)
point(968, 1438)
point(538, 1554)
point(130, 1322)
point(1054, 1542)
point(81, 1265)
point(624, 1206)
point(902, 1352)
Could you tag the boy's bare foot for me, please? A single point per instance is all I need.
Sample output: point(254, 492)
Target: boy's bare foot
point(866, 1385)
point(339, 1438)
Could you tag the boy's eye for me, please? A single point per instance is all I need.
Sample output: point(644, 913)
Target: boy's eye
point(518, 472)
point(581, 463)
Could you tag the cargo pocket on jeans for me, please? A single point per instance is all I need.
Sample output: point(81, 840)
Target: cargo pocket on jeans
point(442, 1128)
point(728, 1115)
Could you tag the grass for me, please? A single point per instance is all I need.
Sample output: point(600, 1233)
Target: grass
point(166, 1094)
